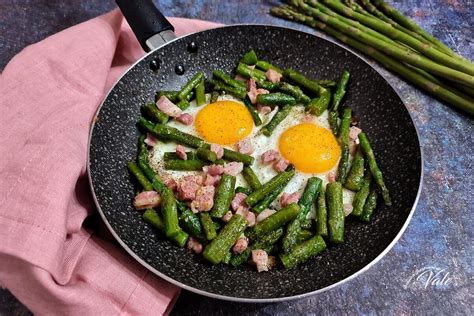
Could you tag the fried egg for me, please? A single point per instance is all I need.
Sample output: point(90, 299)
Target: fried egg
point(305, 141)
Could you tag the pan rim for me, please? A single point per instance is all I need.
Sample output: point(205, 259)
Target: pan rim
point(243, 299)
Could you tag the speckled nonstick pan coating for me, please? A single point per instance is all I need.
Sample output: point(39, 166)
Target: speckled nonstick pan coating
point(113, 142)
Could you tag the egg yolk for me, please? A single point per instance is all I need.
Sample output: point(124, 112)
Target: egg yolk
point(312, 149)
point(224, 122)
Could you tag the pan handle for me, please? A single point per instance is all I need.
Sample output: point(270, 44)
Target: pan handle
point(151, 28)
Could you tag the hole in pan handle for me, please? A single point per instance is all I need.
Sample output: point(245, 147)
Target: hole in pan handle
point(151, 27)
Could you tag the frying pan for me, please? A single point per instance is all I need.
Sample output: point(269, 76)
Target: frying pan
point(169, 65)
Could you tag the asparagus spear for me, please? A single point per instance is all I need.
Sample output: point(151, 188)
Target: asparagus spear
point(343, 168)
point(153, 113)
point(311, 191)
point(453, 98)
point(395, 51)
point(249, 58)
point(318, 105)
point(264, 65)
point(282, 113)
point(335, 212)
point(224, 195)
point(274, 183)
point(219, 246)
point(321, 215)
point(411, 25)
point(200, 94)
point(303, 252)
point(356, 174)
point(333, 116)
point(374, 169)
point(151, 217)
point(276, 98)
point(387, 29)
point(188, 88)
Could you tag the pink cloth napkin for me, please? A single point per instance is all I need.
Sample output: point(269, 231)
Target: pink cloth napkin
point(48, 96)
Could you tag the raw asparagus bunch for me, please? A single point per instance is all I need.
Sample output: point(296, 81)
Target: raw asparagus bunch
point(384, 34)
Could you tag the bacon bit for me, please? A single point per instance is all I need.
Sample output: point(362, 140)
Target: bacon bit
point(211, 180)
point(260, 258)
point(354, 133)
point(267, 212)
point(273, 75)
point(241, 244)
point(218, 150)
point(146, 199)
point(227, 216)
point(194, 245)
point(307, 117)
point(204, 199)
point(238, 201)
point(347, 208)
point(280, 165)
point(240, 78)
point(181, 152)
point(263, 109)
point(233, 168)
point(168, 107)
point(287, 199)
point(253, 91)
point(185, 118)
point(247, 215)
point(245, 146)
point(250, 218)
point(197, 179)
point(187, 189)
point(270, 155)
point(214, 170)
point(331, 177)
point(170, 182)
point(242, 211)
point(151, 140)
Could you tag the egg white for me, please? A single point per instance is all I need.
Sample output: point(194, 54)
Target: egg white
point(261, 144)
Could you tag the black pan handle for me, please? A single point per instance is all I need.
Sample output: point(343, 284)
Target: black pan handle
point(151, 28)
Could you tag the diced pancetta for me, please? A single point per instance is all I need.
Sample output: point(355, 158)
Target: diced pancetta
point(194, 245)
point(168, 107)
point(218, 150)
point(263, 109)
point(287, 199)
point(214, 170)
point(211, 180)
point(331, 177)
point(273, 75)
point(233, 168)
point(146, 199)
point(185, 118)
point(187, 189)
point(204, 200)
point(151, 140)
point(281, 165)
point(245, 146)
point(238, 201)
point(241, 244)
point(227, 216)
point(270, 156)
point(260, 258)
point(181, 152)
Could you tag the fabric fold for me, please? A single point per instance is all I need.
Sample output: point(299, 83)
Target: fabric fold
point(49, 94)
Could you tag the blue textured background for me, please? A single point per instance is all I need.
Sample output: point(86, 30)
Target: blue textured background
point(439, 238)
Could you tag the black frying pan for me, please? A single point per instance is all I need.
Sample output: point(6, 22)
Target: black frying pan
point(113, 142)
